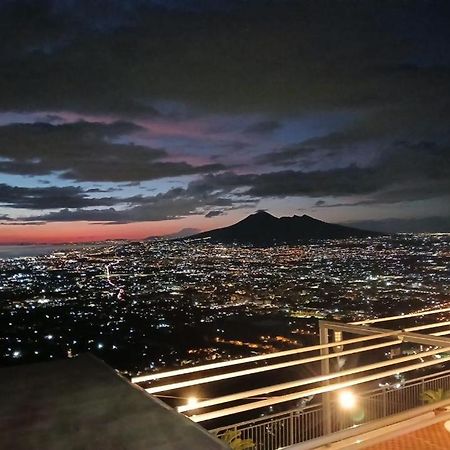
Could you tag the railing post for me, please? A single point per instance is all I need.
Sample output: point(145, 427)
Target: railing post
point(422, 390)
point(291, 428)
point(325, 370)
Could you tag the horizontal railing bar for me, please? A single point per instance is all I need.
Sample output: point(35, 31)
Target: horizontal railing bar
point(414, 337)
point(402, 316)
point(426, 327)
point(441, 333)
point(425, 339)
point(310, 409)
point(354, 329)
point(415, 381)
point(293, 384)
point(309, 392)
point(204, 367)
point(241, 373)
point(408, 336)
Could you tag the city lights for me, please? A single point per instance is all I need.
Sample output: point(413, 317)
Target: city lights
point(179, 292)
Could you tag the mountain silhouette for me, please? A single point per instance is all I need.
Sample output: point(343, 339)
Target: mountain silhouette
point(183, 233)
point(263, 229)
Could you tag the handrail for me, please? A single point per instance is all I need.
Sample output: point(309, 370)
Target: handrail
point(267, 368)
point(312, 408)
point(402, 316)
point(212, 366)
point(415, 381)
point(302, 382)
point(297, 395)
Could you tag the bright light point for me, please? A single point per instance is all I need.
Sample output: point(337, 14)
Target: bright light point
point(192, 401)
point(347, 399)
point(99, 345)
point(17, 354)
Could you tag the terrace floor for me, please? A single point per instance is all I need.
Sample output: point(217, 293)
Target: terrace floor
point(434, 437)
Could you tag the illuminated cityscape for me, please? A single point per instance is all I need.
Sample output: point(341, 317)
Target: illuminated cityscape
point(224, 225)
point(174, 303)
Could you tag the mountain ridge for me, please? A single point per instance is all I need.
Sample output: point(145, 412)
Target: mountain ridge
point(180, 234)
point(264, 229)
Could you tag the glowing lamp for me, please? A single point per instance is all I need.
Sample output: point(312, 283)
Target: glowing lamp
point(192, 401)
point(347, 399)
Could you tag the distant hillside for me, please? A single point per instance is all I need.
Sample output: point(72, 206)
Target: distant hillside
point(434, 224)
point(185, 232)
point(263, 229)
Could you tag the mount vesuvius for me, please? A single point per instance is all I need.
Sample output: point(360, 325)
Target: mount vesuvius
point(263, 229)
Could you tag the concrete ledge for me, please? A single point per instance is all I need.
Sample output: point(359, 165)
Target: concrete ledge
point(83, 404)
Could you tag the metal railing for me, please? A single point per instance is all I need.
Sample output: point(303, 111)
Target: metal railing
point(275, 431)
point(279, 430)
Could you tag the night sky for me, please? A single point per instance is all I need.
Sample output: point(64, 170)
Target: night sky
point(126, 119)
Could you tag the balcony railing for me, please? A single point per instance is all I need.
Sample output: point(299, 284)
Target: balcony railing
point(280, 430)
point(424, 349)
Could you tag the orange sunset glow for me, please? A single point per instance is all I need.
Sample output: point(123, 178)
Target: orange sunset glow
point(68, 232)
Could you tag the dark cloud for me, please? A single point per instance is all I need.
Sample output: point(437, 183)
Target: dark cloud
point(214, 213)
point(351, 180)
point(435, 224)
point(289, 155)
point(347, 181)
point(284, 56)
point(96, 190)
point(386, 66)
point(86, 151)
point(52, 198)
point(386, 125)
point(152, 211)
point(6, 220)
point(264, 127)
point(173, 204)
point(402, 172)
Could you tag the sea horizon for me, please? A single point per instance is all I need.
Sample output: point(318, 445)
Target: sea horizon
point(9, 251)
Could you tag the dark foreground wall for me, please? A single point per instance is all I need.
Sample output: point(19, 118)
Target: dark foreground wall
point(83, 404)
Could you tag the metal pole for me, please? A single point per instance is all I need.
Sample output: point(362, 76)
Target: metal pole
point(325, 370)
point(422, 390)
point(291, 428)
